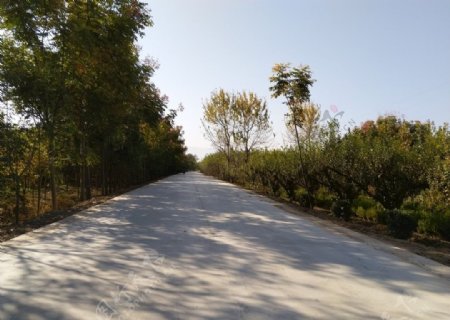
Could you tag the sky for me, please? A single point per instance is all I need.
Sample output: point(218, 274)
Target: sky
point(369, 57)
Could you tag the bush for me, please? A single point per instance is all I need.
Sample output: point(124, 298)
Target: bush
point(432, 211)
point(444, 226)
point(435, 223)
point(342, 209)
point(364, 202)
point(428, 223)
point(324, 198)
point(301, 196)
point(367, 208)
point(401, 224)
point(370, 214)
point(411, 203)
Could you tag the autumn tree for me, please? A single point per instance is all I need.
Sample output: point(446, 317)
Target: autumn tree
point(251, 122)
point(236, 122)
point(218, 122)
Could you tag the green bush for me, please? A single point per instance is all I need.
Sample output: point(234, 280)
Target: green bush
point(370, 214)
point(367, 208)
point(444, 226)
point(324, 198)
point(401, 224)
point(432, 212)
point(301, 196)
point(342, 209)
point(435, 223)
point(428, 224)
point(364, 202)
point(411, 203)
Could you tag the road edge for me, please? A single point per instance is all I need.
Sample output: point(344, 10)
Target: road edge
point(438, 269)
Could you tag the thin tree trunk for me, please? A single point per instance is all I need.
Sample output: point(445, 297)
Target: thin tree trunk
point(17, 193)
point(39, 180)
point(53, 184)
point(82, 172)
point(88, 182)
point(302, 164)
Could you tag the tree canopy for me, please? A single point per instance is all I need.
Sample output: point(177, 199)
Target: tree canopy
point(98, 122)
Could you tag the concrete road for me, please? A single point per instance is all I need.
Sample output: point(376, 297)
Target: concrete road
point(191, 247)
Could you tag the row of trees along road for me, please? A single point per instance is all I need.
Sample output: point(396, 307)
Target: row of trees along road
point(94, 121)
point(389, 171)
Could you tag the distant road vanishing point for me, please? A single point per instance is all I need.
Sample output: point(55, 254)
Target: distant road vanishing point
point(192, 247)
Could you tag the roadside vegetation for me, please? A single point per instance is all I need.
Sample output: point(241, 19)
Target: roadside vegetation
point(386, 171)
point(80, 115)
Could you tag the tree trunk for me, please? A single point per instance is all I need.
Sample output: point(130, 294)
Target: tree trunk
point(53, 185)
point(17, 193)
point(82, 171)
point(88, 182)
point(302, 164)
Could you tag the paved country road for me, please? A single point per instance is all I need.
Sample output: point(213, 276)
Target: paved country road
point(191, 247)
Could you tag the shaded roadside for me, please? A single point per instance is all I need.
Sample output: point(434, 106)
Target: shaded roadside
point(9, 231)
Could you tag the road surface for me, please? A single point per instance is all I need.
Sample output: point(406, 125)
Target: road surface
point(191, 247)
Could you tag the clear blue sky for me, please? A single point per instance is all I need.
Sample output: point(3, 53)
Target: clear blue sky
point(369, 57)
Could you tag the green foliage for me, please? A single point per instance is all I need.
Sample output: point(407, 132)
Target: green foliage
point(95, 119)
point(342, 209)
point(293, 83)
point(324, 198)
point(214, 165)
point(372, 170)
point(367, 208)
point(388, 163)
point(433, 212)
point(235, 124)
point(401, 224)
point(302, 197)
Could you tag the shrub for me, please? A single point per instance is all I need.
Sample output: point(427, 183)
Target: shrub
point(367, 214)
point(432, 211)
point(364, 202)
point(435, 223)
point(428, 223)
point(367, 208)
point(324, 198)
point(342, 209)
point(401, 224)
point(301, 196)
point(411, 203)
point(444, 226)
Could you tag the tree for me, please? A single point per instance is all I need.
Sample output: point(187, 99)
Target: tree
point(73, 67)
point(33, 68)
point(251, 122)
point(106, 76)
point(293, 83)
point(218, 122)
point(236, 122)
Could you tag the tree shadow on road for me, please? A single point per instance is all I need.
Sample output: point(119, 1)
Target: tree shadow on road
point(223, 254)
